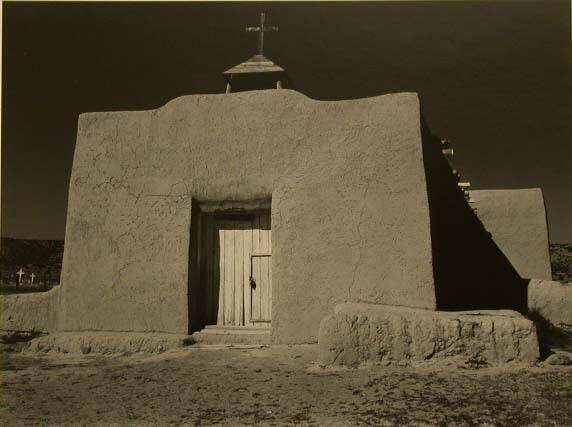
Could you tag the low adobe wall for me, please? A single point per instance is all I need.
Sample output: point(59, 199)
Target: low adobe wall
point(517, 221)
point(33, 312)
point(552, 301)
point(107, 342)
point(358, 333)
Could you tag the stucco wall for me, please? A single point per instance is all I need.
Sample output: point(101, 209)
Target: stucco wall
point(552, 301)
point(33, 312)
point(517, 221)
point(350, 218)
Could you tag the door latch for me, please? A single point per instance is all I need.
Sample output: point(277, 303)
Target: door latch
point(252, 282)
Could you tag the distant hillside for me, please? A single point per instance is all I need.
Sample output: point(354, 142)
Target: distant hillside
point(561, 261)
point(41, 257)
point(22, 252)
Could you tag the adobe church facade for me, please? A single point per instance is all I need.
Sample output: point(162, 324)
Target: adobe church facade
point(247, 208)
point(265, 209)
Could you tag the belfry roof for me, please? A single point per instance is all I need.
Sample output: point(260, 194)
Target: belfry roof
point(256, 64)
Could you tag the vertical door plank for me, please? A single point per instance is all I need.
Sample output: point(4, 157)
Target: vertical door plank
point(263, 278)
point(247, 249)
point(229, 275)
point(269, 303)
point(219, 273)
point(255, 265)
point(238, 272)
point(260, 313)
point(256, 269)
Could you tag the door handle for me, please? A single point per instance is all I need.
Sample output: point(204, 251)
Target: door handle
point(252, 282)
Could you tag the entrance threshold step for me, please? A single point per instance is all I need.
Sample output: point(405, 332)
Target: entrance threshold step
point(235, 329)
point(236, 335)
point(226, 331)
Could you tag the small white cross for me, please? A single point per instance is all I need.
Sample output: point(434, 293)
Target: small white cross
point(32, 276)
point(20, 273)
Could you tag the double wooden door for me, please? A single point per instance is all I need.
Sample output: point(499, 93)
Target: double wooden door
point(237, 269)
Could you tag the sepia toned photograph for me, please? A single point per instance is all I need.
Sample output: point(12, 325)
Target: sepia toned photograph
point(336, 213)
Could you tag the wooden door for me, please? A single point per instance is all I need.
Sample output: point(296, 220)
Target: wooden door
point(261, 272)
point(237, 248)
point(260, 287)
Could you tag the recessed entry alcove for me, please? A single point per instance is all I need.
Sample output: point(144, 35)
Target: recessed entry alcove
point(230, 280)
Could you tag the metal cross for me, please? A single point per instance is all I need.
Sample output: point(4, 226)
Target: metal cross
point(261, 29)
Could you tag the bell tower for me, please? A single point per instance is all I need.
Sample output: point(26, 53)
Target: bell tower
point(258, 72)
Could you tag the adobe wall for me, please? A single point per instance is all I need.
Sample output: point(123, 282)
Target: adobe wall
point(552, 301)
point(350, 218)
point(31, 312)
point(517, 221)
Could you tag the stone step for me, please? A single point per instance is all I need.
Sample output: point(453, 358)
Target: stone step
point(241, 330)
point(232, 335)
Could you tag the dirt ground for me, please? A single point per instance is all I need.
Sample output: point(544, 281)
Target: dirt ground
point(278, 385)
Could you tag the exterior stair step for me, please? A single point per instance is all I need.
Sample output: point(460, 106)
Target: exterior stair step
point(232, 335)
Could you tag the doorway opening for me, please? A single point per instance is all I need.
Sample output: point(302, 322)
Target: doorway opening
point(234, 260)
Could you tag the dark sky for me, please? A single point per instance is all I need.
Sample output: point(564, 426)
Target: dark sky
point(494, 77)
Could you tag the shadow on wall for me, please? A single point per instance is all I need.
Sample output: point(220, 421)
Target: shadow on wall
point(550, 337)
point(196, 292)
point(470, 270)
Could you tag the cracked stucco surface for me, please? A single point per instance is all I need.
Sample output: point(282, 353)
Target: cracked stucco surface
point(517, 221)
point(350, 219)
point(358, 333)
